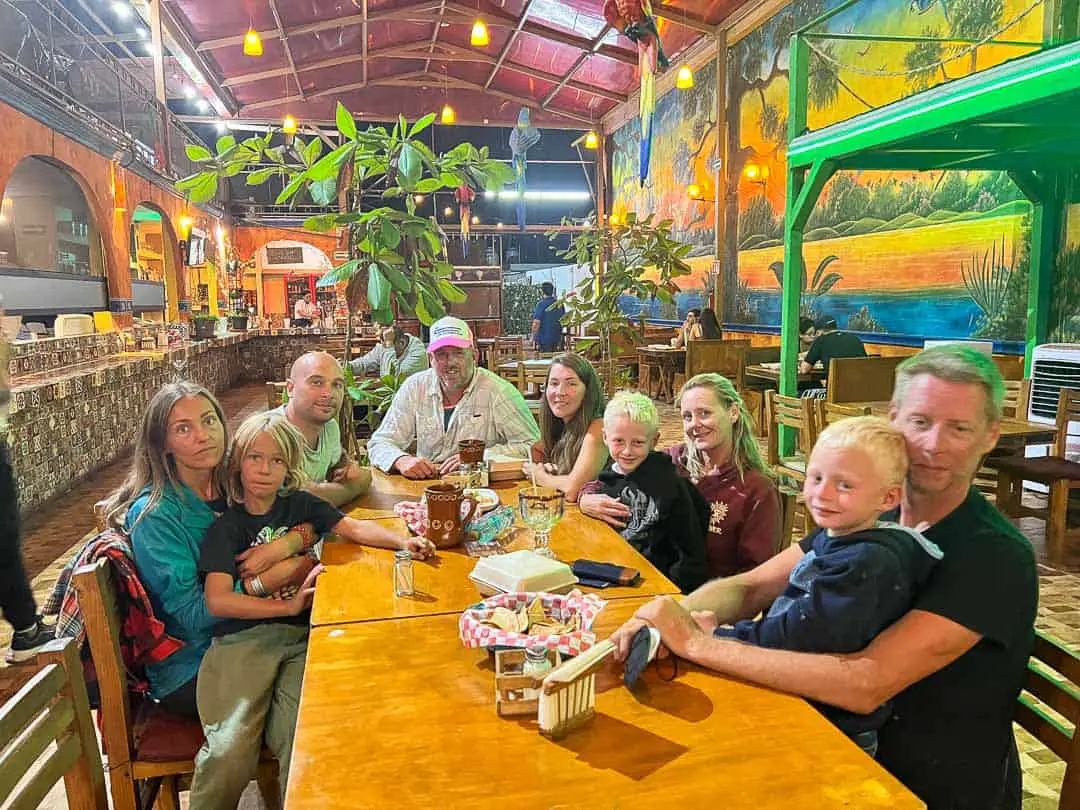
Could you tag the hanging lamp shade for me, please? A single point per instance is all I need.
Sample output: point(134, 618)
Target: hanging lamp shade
point(479, 36)
point(288, 125)
point(684, 79)
point(252, 43)
point(591, 141)
point(448, 115)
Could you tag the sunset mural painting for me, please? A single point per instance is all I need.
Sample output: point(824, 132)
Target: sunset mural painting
point(936, 254)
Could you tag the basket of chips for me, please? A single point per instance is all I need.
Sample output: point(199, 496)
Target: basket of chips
point(557, 621)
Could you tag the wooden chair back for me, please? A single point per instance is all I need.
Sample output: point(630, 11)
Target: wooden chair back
point(506, 349)
point(1068, 412)
point(51, 708)
point(794, 412)
point(725, 357)
point(1017, 394)
point(861, 379)
point(829, 412)
point(795, 519)
point(275, 394)
point(762, 354)
point(1053, 681)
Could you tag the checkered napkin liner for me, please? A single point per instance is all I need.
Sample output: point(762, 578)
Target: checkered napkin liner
point(589, 605)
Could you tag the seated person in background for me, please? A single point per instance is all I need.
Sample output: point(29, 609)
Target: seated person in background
point(690, 330)
point(806, 334)
point(547, 321)
point(859, 575)
point(316, 388)
point(451, 401)
point(250, 678)
point(397, 352)
point(830, 343)
point(305, 311)
point(710, 326)
point(667, 516)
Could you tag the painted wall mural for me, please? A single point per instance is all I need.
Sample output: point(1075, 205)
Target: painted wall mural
point(933, 254)
point(1065, 294)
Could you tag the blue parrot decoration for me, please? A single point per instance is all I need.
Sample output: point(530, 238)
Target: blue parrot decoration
point(522, 138)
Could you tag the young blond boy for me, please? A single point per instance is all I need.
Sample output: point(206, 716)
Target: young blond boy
point(668, 516)
point(859, 574)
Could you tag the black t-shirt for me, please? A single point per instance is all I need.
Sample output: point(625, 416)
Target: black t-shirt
point(834, 344)
point(950, 733)
point(236, 531)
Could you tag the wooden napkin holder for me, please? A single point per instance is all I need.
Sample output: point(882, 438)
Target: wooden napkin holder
point(511, 683)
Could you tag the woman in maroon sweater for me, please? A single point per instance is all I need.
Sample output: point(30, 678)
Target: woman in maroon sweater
point(721, 456)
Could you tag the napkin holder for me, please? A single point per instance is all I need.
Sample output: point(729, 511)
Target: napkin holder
point(568, 693)
point(512, 685)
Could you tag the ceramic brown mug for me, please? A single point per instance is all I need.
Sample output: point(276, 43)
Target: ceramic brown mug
point(445, 520)
point(471, 451)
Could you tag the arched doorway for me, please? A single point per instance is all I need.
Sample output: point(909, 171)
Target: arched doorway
point(153, 259)
point(287, 269)
point(48, 231)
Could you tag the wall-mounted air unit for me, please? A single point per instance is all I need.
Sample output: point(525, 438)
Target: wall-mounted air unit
point(1054, 366)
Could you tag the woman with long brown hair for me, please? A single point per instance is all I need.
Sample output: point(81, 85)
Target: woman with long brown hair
point(571, 449)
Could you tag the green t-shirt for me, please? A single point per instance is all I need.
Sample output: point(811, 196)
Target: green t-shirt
point(327, 453)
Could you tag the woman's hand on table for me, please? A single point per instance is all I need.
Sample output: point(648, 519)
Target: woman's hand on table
point(603, 507)
point(420, 547)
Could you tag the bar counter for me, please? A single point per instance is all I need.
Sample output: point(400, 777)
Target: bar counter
point(76, 402)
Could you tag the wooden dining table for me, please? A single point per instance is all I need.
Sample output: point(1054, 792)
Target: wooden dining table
point(771, 371)
point(399, 713)
point(670, 361)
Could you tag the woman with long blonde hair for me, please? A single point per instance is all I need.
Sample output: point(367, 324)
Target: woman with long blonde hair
point(721, 457)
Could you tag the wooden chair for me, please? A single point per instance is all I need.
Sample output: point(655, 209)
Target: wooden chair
point(1055, 471)
point(1053, 678)
point(1017, 396)
point(148, 750)
point(725, 357)
point(533, 381)
point(51, 708)
point(506, 349)
point(753, 390)
point(795, 519)
point(1014, 406)
point(829, 412)
point(794, 412)
point(861, 379)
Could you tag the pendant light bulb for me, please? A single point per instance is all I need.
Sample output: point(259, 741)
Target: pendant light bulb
point(288, 125)
point(479, 38)
point(591, 141)
point(684, 79)
point(253, 43)
point(448, 115)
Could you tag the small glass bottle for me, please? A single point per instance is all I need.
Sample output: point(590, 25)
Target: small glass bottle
point(537, 665)
point(403, 573)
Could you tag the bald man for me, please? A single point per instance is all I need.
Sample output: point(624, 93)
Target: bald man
point(316, 388)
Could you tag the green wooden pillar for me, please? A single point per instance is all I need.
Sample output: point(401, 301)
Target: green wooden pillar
point(1048, 208)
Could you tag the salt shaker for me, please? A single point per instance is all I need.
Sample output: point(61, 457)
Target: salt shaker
point(403, 573)
point(537, 665)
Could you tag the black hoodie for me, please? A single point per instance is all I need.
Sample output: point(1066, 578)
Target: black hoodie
point(668, 518)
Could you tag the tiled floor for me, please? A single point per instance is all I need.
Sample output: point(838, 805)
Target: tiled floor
point(53, 534)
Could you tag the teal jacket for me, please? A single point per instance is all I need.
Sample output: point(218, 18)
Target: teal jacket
point(166, 542)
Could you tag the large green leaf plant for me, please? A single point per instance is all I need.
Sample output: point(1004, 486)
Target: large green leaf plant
point(396, 257)
point(637, 257)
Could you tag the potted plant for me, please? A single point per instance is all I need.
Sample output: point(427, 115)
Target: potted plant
point(635, 258)
point(374, 392)
point(238, 321)
point(395, 256)
point(205, 326)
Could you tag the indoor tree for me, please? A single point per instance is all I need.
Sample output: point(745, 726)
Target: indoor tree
point(637, 258)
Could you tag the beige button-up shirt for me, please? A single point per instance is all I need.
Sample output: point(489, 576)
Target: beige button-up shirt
point(491, 409)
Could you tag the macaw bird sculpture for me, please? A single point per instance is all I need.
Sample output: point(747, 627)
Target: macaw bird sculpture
point(634, 20)
point(464, 196)
point(522, 138)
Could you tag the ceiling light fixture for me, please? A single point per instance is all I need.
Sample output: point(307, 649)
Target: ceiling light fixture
point(222, 126)
point(448, 115)
point(480, 37)
point(448, 211)
point(121, 9)
point(475, 220)
point(253, 43)
point(202, 105)
point(288, 124)
point(684, 79)
point(189, 91)
point(592, 141)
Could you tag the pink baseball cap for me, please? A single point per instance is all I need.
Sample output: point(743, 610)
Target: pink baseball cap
point(450, 332)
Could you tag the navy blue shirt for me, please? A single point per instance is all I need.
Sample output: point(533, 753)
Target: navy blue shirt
point(550, 332)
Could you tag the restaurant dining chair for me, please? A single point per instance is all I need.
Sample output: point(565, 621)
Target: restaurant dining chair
point(861, 379)
point(1013, 406)
point(1052, 692)
point(724, 357)
point(509, 350)
point(148, 750)
point(829, 412)
point(51, 708)
point(797, 413)
point(1055, 471)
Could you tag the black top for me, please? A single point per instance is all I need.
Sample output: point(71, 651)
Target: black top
point(236, 531)
point(834, 344)
point(668, 518)
point(950, 733)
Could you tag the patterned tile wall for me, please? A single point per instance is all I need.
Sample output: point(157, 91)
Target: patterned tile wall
point(77, 407)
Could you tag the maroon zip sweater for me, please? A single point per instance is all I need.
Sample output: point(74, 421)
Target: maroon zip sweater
point(744, 520)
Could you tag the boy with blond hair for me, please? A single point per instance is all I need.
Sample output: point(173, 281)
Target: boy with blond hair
point(858, 574)
point(668, 516)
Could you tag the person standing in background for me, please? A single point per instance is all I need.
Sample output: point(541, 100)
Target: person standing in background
point(16, 598)
point(305, 312)
point(547, 321)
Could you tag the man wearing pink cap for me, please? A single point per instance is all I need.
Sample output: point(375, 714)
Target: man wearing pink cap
point(451, 401)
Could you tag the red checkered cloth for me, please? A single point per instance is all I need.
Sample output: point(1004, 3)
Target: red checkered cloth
point(558, 606)
point(143, 639)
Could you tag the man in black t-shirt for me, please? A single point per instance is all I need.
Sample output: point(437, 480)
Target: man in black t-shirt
point(829, 344)
point(953, 665)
